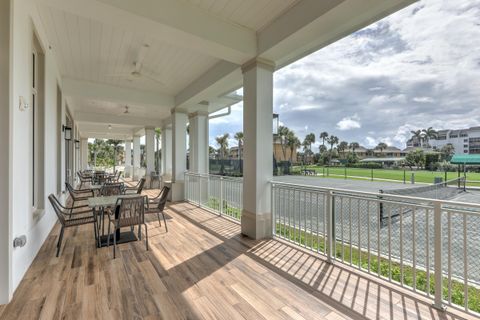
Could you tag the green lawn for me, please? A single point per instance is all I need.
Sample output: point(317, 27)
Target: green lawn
point(422, 176)
point(384, 269)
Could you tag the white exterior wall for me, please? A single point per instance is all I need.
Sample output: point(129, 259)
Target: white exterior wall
point(461, 144)
point(35, 227)
point(5, 159)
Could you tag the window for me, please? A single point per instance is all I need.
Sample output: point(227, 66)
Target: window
point(452, 136)
point(37, 126)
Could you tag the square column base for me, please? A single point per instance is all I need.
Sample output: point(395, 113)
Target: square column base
point(177, 190)
point(127, 173)
point(257, 225)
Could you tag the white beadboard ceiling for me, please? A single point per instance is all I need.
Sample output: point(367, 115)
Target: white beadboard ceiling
point(92, 51)
point(252, 14)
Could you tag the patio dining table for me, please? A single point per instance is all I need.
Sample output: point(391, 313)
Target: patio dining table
point(102, 202)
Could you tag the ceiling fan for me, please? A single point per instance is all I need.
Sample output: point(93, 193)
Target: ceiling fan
point(125, 112)
point(137, 71)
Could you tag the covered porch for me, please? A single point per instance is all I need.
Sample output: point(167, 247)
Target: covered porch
point(203, 268)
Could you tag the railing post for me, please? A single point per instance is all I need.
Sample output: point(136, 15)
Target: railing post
point(329, 211)
point(437, 224)
point(221, 195)
point(199, 190)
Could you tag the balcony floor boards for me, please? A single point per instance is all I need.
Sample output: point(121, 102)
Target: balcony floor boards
point(201, 269)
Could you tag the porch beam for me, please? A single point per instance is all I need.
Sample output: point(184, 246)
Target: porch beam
point(105, 92)
point(311, 25)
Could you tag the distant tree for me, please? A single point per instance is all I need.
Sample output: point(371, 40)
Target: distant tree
point(342, 147)
point(353, 146)
point(428, 134)
point(381, 146)
point(293, 143)
point(323, 136)
point(239, 137)
point(332, 141)
point(211, 151)
point(222, 142)
point(415, 158)
point(158, 134)
point(419, 135)
point(282, 134)
point(447, 152)
point(307, 144)
point(322, 149)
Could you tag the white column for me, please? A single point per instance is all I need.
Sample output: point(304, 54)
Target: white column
point(84, 153)
point(198, 141)
point(150, 149)
point(258, 148)
point(128, 159)
point(136, 157)
point(166, 153)
point(5, 192)
point(179, 154)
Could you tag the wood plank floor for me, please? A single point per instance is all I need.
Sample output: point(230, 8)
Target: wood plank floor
point(201, 269)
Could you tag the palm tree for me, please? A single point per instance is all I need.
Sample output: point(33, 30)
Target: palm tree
point(307, 143)
point(222, 142)
point(342, 146)
point(293, 143)
point(332, 140)
point(353, 146)
point(239, 137)
point(115, 144)
point(323, 136)
point(419, 135)
point(381, 146)
point(429, 133)
point(283, 132)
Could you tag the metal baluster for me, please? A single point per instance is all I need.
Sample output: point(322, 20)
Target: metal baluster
point(438, 254)
point(465, 262)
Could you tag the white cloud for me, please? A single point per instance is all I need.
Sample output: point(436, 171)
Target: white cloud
point(417, 68)
point(424, 99)
point(349, 123)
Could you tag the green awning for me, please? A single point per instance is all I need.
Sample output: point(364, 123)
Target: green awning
point(465, 159)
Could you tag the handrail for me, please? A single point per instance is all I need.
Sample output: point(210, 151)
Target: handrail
point(375, 194)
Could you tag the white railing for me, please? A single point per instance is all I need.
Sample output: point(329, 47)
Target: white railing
point(429, 246)
point(223, 195)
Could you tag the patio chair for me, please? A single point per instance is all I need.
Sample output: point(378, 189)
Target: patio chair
point(137, 189)
point(71, 217)
point(157, 205)
point(129, 212)
point(78, 194)
point(83, 179)
point(112, 189)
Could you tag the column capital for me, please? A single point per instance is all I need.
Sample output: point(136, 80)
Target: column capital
point(198, 113)
point(258, 63)
point(178, 110)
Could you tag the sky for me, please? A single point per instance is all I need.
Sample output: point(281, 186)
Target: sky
point(417, 68)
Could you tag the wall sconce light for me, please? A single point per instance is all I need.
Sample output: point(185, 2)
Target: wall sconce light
point(109, 127)
point(68, 133)
point(22, 104)
point(77, 144)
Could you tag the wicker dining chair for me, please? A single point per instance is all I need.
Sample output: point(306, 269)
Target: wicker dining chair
point(157, 204)
point(78, 194)
point(129, 212)
point(136, 189)
point(83, 179)
point(112, 189)
point(71, 217)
